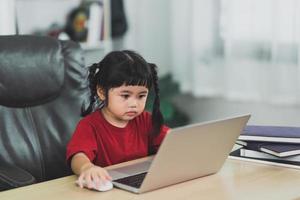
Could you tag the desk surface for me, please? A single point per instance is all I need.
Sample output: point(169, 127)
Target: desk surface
point(236, 180)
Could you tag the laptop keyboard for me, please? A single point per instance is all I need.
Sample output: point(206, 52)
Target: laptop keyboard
point(133, 181)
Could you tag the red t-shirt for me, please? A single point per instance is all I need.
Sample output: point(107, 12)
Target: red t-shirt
point(105, 144)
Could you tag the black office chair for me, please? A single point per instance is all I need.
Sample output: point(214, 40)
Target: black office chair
point(43, 86)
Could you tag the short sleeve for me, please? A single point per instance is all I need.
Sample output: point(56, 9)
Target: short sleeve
point(83, 140)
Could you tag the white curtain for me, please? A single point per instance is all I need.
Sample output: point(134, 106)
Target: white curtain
point(237, 49)
point(7, 17)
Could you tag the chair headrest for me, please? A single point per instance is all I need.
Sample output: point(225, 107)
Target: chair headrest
point(31, 70)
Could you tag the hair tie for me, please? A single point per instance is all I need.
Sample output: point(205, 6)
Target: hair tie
point(97, 69)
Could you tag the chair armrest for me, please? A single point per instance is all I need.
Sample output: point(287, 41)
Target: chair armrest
point(12, 176)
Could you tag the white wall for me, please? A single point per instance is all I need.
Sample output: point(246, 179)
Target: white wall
point(149, 31)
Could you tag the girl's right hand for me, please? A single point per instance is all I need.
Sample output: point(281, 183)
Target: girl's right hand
point(92, 175)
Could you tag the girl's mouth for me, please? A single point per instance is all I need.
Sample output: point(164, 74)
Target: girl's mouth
point(131, 113)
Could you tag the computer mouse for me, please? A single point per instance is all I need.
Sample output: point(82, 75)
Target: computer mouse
point(103, 186)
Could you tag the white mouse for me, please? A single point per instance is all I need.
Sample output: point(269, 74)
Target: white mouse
point(104, 186)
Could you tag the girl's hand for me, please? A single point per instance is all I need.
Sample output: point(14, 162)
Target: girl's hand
point(92, 175)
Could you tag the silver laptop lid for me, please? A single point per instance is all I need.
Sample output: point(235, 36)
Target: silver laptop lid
point(193, 151)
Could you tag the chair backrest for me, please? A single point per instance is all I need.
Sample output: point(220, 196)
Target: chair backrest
point(43, 85)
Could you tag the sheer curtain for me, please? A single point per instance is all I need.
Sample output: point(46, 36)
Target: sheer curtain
point(7, 17)
point(239, 50)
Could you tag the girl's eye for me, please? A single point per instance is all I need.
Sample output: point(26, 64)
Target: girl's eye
point(125, 96)
point(142, 96)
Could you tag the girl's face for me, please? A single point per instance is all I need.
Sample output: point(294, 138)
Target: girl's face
point(124, 104)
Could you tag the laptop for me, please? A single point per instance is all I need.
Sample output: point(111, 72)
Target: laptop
point(186, 153)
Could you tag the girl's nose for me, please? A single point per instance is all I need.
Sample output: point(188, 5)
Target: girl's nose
point(133, 103)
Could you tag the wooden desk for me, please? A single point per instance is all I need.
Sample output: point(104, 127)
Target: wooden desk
point(236, 180)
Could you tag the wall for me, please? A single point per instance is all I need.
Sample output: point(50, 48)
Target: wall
point(149, 31)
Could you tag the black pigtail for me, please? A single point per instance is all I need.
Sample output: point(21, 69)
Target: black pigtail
point(157, 117)
point(93, 71)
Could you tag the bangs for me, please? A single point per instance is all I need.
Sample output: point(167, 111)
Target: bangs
point(131, 81)
point(130, 74)
point(138, 82)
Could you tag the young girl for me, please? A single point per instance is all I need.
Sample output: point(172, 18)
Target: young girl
point(116, 128)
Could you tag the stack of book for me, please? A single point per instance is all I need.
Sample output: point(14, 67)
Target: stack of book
point(275, 145)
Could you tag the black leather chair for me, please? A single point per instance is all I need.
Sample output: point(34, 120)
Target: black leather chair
point(43, 86)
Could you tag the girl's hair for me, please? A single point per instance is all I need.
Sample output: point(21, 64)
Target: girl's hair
point(124, 68)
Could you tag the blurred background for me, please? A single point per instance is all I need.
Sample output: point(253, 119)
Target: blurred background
point(216, 58)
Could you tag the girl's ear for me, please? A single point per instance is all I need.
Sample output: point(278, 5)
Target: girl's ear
point(100, 93)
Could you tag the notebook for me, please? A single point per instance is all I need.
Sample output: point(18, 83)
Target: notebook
point(186, 153)
point(273, 148)
point(261, 155)
point(271, 134)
